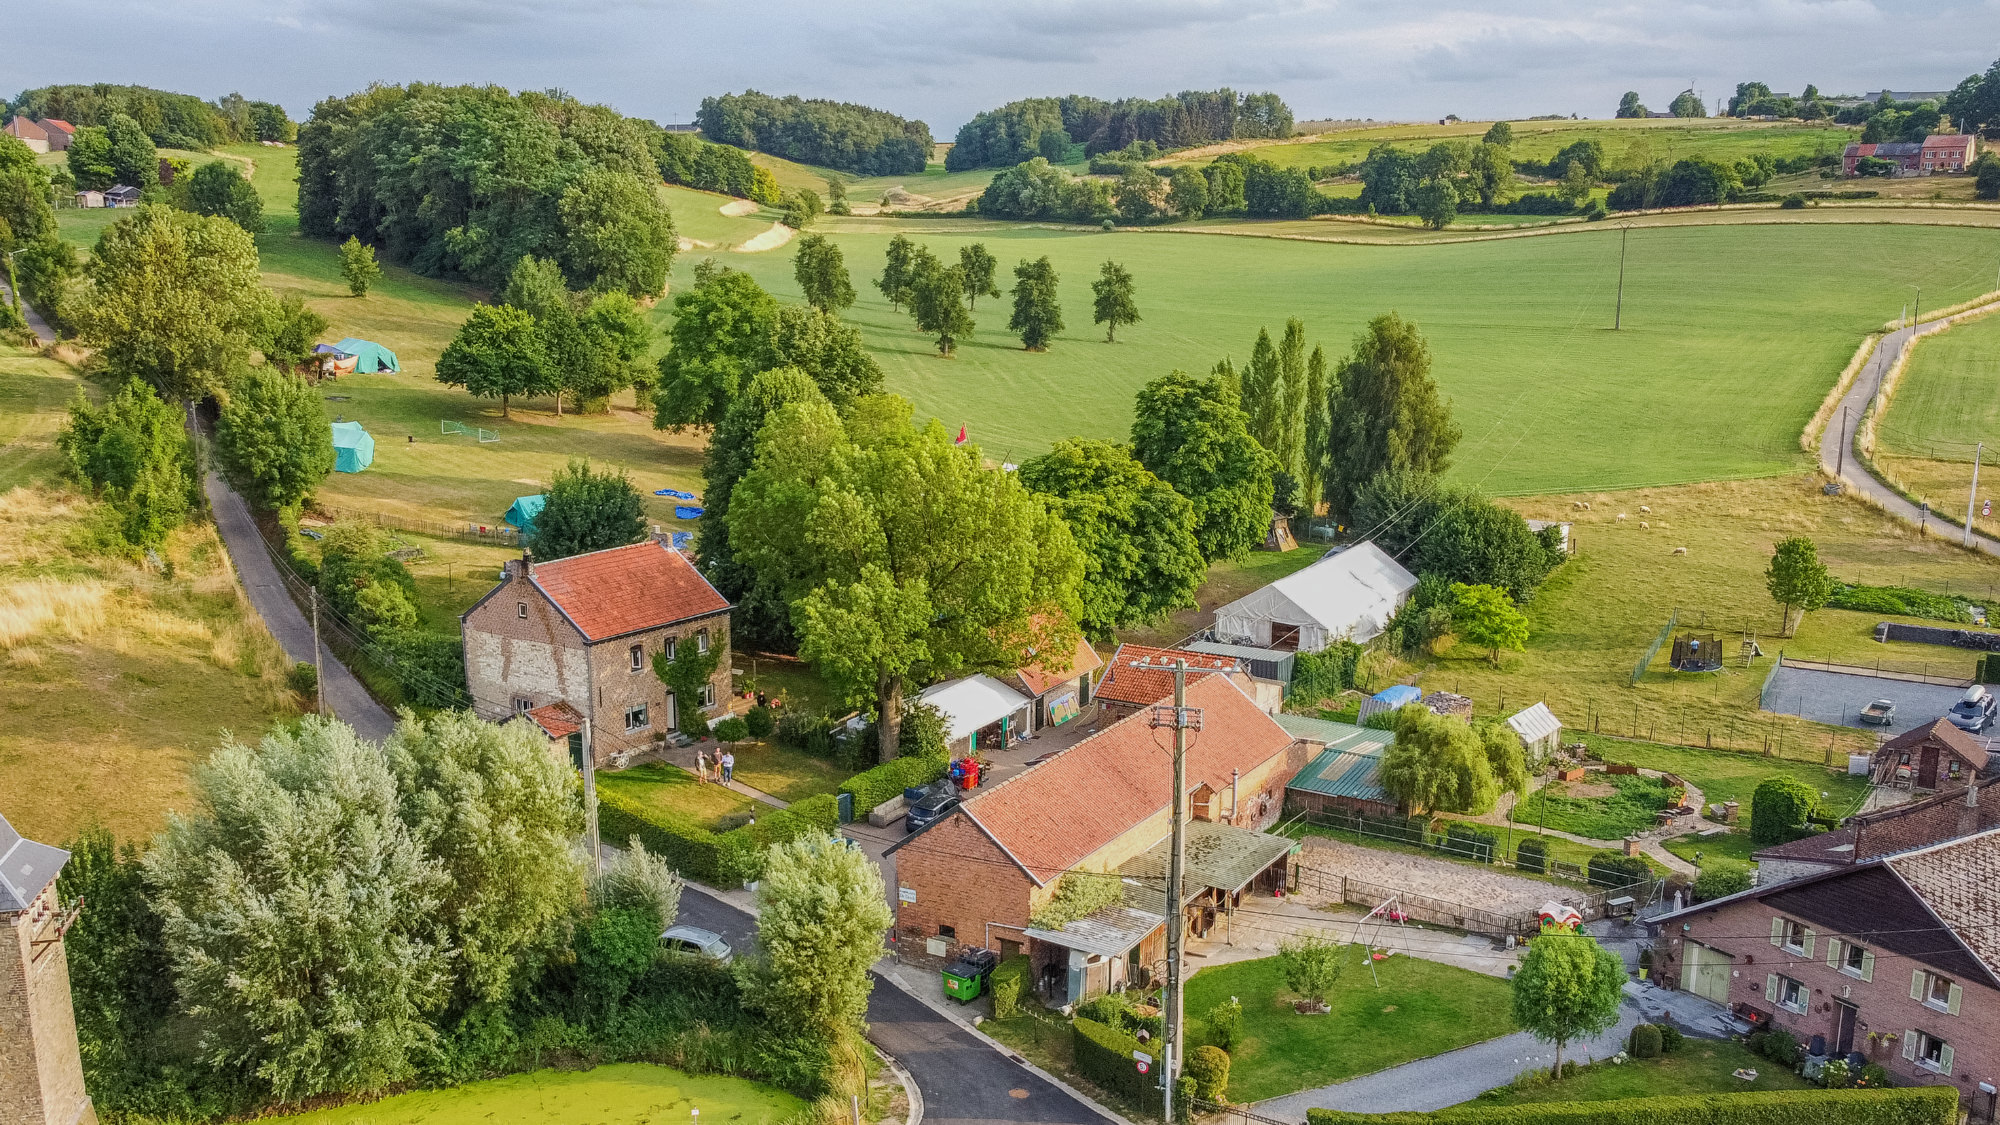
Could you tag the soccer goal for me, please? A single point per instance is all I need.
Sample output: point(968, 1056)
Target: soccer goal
point(445, 427)
point(488, 435)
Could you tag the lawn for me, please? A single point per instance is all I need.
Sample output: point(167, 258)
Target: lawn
point(1724, 849)
point(1942, 408)
point(698, 216)
point(1227, 580)
point(675, 791)
point(1732, 333)
point(621, 1094)
point(1701, 1066)
point(1724, 775)
point(785, 774)
point(1599, 611)
point(1626, 809)
point(1421, 1008)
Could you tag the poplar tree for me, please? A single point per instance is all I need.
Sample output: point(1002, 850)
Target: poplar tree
point(1290, 449)
point(1037, 312)
point(1385, 412)
point(1115, 305)
point(1312, 487)
point(1263, 392)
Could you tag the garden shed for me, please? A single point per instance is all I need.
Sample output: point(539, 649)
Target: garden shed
point(353, 447)
point(1539, 730)
point(1346, 775)
point(1347, 595)
point(523, 511)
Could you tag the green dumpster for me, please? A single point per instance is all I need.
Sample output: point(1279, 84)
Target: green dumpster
point(965, 978)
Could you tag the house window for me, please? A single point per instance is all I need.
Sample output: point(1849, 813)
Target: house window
point(1787, 993)
point(521, 610)
point(669, 650)
point(523, 705)
point(673, 712)
point(1935, 991)
point(701, 642)
point(1796, 937)
point(636, 717)
point(945, 931)
point(638, 654)
point(1928, 1052)
point(1853, 960)
point(708, 695)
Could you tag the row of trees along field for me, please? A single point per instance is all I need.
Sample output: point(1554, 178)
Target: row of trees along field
point(852, 138)
point(335, 918)
point(173, 120)
point(1052, 127)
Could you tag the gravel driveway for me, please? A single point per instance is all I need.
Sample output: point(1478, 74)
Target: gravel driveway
point(1837, 697)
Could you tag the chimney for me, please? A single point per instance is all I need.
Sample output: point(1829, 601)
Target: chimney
point(528, 561)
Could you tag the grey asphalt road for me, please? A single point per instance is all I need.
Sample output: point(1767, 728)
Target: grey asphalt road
point(964, 1081)
point(1837, 697)
point(1839, 435)
point(345, 697)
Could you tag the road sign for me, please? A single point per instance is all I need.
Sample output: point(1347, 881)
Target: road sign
point(1142, 1066)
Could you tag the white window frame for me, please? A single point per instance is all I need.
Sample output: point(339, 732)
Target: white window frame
point(673, 712)
point(1794, 937)
point(521, 610)
point(708, 695)
point(1926, 1045)
point(1856, 961)
point(523, 705)
point(638, 654)
point(670, 649)
point(701, 641)
point(1803, 993)
point(644, 713)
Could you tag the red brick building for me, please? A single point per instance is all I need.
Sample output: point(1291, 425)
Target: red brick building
point(1101, 810)
point(1927, 759)
point(1898, 828)
point(1890, 960)
point(41, 1070)
point(1948, 152)
point(584, 631)
point(1138, 676)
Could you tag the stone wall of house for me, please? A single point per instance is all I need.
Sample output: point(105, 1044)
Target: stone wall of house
point(41, 1072)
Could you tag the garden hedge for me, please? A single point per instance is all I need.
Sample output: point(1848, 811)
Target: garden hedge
point(1104, 1055)
point(1010, 983)
point(1615, 869)
point(888, 780)
point(1532, 855)
point(719, 859)
point(1915, 1105)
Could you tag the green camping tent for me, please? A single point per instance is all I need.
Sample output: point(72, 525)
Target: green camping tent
point(369, 356)
point(524, 511)
point(353, 447)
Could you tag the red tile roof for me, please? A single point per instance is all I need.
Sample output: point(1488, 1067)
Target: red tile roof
point(59, 123)
point(626, 589)
point(557, 720)
point(1948, 140)
point(1037, 678)
point(1122, 683)
point(1057, 814)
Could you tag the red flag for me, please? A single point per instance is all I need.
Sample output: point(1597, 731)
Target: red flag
point(961, 434)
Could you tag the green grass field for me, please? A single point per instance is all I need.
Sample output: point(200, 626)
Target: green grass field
point(1731, 334)
point(621, 1094)
point(1948, 398)
point(1701, 1066)
point(1421, 1008)
point(1626, 809)
point(672, 789)
point(1718, 138)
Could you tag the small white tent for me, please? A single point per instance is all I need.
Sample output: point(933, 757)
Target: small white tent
point(976, 702)
point(1349, 595)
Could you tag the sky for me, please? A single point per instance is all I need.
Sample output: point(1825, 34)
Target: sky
point(942, 61)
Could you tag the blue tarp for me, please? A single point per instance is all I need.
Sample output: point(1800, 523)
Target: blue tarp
point(1398, 696)
point(525, 509)
point(682, 539)
point(687, 512)
point(675, 493)
point(353, 447)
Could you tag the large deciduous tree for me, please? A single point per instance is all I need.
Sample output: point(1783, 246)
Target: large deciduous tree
point(1114, 305)
point(1797, 580)
point(176, 300)
point(272, 438)
point(936, 294)
point(826, 348)
point(977, 263)
point(358, 266)
point(134, 160)
point(895, 280)
point(919, 561)
point(821, 912)
point(1037, 311)
point(289, 331)
point(614, 234)
point(1141, 560)
point(1440, 764)
point(821, 272)
point(498, 353)
point(217, 188)
point(1485, 616)
point(720, 338)
point(1385, 412)
point(297, 910)
point(134, 452)
point(587, 510)
point(1191, 433)
point(1568, 986)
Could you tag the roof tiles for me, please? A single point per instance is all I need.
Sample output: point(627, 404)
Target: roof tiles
point(1123, 683)
point(626, 589)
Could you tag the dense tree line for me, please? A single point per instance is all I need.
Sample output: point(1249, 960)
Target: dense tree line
point(686, 159)
point(853, 138)
point(173, 120)
point(465, 181)
point(1048, 127)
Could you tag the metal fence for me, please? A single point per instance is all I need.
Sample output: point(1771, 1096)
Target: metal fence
point(494, 536)
point(1923, 672)
point(1652, 650)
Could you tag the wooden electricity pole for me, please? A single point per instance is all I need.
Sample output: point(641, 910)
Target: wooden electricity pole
point(590, 802)
point(1182, 719)
point(319, 681)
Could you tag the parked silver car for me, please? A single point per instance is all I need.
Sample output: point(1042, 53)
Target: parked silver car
point(696, 942)
point(1976, 711)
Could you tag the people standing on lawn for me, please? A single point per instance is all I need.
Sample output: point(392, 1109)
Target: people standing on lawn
point(701, 763)
point(728, 766)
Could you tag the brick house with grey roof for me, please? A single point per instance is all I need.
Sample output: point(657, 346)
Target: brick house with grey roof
point(1891, 961)
point(583, 631)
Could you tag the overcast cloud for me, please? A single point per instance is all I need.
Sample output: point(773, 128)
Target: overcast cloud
point(944, 61)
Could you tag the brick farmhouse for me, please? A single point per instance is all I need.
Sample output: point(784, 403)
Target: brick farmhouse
point(583, 631)
point(1935, 154)
point(1890, 960)
point(1898, 828)
point(1100, 809)
point(41, 1070)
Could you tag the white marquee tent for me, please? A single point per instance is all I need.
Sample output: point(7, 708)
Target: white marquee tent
point(976, 702)
point(1349, 595)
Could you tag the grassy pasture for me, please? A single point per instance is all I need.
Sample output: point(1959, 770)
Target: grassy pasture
point(1731, 337)
point(1701, 1066)
point(933, 183)
point(1944, 405)
point(620, 1094)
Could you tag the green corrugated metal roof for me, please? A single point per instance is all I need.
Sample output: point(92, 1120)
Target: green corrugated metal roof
point(1334, 734)
point(1344, 773)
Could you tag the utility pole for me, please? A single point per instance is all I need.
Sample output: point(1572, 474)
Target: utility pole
point(1846, 421)
point(1182, 719)
point(319, 681)
point(1618, 318)
point(1917, 307)
point(590, 802)
point(1974, 498)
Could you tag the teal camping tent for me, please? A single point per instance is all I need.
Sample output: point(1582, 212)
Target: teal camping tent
point(524, 511)
point(353, 447)
point(369, 356)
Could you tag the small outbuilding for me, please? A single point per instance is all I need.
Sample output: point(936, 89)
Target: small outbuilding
point(353, 447)
point(1348, 595)
point(1388, 699)
point(1345, 774)
point(523, 511)
point(369, 356)
point(1539, 730)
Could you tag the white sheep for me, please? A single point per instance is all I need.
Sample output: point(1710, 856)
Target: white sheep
point(1645, 508)
point(1586, 505)
point(1621, 515)
point(1680, 550)
point(1643, 523)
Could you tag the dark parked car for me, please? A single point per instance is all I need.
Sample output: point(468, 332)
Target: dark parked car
point(1976, 711)
point(929, 809)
